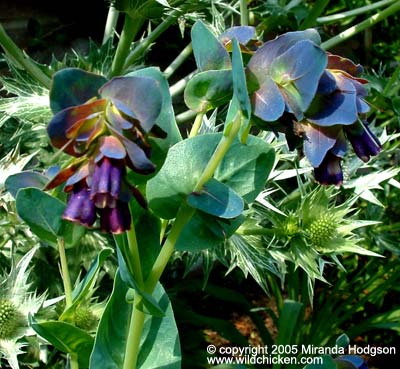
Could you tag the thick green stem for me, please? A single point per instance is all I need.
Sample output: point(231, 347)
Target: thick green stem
point(178, 61)
point(197, 124)
point(134, 335)
point(65, 273)
point(157, 32)
point(185, 212)
point(244, 13)
point(129, 31)
point(21, 60)
point(361, 26)
point(111, 23)
point(354, 12)
point(186, 116)
point(67, 289)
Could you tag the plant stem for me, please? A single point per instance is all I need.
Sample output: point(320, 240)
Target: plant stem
point(67, 290)
point(129, 31)
point(178, 61)
point(179, 86)
point(380, 16)
point(185, 212)
point(354, 12)
point(65, 273)
point(111, 23)
point(244, 13)
point(21, 60)
point(134, 335)
point(219, 153)
point(185, 116)
point(157, 32)
point(197, 124)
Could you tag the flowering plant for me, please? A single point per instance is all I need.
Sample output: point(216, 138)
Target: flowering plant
point(121, 165)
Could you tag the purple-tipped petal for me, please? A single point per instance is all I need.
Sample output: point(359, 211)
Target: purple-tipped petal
point(112, 148)
point(78, 176)
point(242, 33)
point(365, 143)
point(339, 107)
point(116, 120)
point(139, 95)
point(330, 170)
point(115, 181)
point(80, 208)
point(318, 141)
point(65, 125)
point(327, 83)
point(104, 180)
point(261, 61)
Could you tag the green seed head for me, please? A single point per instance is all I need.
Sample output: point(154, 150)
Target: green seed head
point(84, 318)
point(322, 229)
point(291, 226)
point(10, 319)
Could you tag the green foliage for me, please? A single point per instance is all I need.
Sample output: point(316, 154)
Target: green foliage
point(159, 344)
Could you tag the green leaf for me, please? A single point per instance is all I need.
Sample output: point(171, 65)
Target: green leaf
point(208, 51)
point(80, 291)
point(343, 340)
point(240, 86)
point(244, 168)
point(208, 90)
point(25, 179)
point(42, 213)
point(204, 231)
point(166, 119)
point(66, 338)
point(148, 304)
point(288, 321)
point(159, 347)
point(217, 199)
point(148, 228)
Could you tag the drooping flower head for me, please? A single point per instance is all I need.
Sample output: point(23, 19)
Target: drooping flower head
point(314, 95)
point(105, 125)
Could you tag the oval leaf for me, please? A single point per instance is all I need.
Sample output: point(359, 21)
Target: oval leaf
point(208, 90)
point(159, 347)
point(67, 338)
point(208, 51)
point(244, 168)
point(217, 199)
point(25, 179)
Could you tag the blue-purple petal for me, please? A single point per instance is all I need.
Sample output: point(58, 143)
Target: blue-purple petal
point(267, 101)
point(139, 95)
point(318, 141)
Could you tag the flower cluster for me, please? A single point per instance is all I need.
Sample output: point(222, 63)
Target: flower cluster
point(105, 126)
point(313, 95)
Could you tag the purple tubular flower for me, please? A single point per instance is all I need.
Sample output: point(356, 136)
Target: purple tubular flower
point(330, 170)
point(117, 219)
point(80, 208)
point(365, 143)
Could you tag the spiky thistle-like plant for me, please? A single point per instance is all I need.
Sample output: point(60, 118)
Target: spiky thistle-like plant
point(17, 302)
